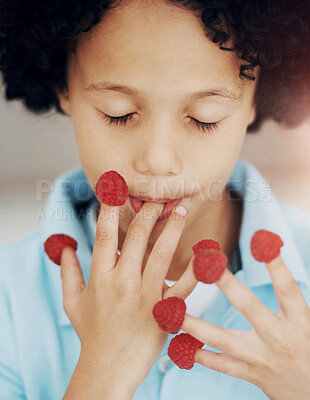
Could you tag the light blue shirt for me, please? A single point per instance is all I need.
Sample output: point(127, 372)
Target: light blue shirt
point(39, 348)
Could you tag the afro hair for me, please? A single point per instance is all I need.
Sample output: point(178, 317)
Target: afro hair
point(37, 37)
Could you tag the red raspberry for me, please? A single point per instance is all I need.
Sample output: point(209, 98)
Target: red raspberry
point(206, 244)
point(169, 313)
point(112, 189)
point(182, 349)
point(55, 244)
point(265, 245)
point(209, 265)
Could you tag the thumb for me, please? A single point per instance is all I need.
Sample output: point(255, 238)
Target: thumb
point(71, 273)
point(186, 283)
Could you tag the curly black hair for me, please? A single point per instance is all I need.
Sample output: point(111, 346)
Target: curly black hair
point(37, 37)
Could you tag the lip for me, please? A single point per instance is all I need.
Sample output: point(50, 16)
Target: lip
point(156, 200)
point(136, 204)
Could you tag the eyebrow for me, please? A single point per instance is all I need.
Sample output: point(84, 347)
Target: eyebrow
point(102, 87)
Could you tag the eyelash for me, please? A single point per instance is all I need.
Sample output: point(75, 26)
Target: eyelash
point(203, 126)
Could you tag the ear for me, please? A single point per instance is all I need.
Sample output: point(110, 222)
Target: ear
point(64, 101)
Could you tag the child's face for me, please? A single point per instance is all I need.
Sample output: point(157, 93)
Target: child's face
point(163, 52)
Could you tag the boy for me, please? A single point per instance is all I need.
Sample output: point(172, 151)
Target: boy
point(152, 96)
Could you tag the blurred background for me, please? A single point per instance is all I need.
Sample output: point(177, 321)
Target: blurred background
point(35, 148)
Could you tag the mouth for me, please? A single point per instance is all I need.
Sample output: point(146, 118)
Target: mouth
point(161, 201)
point(137, 203)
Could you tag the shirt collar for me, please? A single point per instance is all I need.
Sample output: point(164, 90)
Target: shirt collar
point(261, 210)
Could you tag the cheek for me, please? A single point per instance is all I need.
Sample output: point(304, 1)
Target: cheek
point(215, 159)
point(95, 144)
point(232, 137)
point(216, 152)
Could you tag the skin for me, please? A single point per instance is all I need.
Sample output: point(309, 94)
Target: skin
point(161, 152)
point(280, 339)
point(160, 146)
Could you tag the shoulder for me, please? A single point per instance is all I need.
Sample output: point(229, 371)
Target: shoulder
point(21, 245)
point(296, 217)
point(19, 259)
point(298, 220)
point(18, 256)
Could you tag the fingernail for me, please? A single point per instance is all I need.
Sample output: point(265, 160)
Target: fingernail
point(180, 210)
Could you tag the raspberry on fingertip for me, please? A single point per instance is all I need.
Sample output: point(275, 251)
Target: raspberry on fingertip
point(169, 313)
point(54, 245)
point(182, 349)
point(209, 265)
point(205, 244)
point(111, 189)
point(265, 245)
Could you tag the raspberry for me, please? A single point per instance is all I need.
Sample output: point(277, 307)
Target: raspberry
point(182, 349)
point(112, 189)
point(169, 313)
point(205, 244)
point(265, 245)
point(209, 265)
point(55, 244)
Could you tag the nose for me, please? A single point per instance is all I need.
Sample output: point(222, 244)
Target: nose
point(158, 155)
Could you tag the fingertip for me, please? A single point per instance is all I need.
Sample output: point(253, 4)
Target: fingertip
point(265, 245)
point(107, 211)
point(111, 188)
point(209, 265)
point(67, 254)
point(277, 261)
point(54, 245)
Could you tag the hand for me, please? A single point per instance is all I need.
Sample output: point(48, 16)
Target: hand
point(112, 315)
point(275, 354)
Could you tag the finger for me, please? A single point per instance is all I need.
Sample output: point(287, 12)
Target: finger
point(231, 341)
point(244, 300)
point(288, 293)
point(137, 237)
point(159, 260)
point(224, 363)
point(165, 288)
point(72, 277)
point(184, 286)
point(106, 240)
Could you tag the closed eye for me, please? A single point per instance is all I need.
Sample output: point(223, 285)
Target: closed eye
point(118, 120)
point(205, 126)
point(122, 121)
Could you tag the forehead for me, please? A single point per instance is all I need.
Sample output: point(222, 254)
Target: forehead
point(153, 40)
